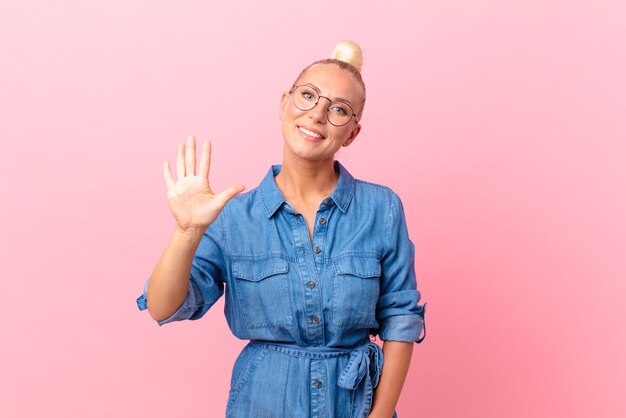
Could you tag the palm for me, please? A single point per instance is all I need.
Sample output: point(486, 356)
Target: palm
point(191, 200)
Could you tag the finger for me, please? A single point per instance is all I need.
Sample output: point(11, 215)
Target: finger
point(167, 174)
point(180, 161)
point(205, 160)
point(190, 156)
point(230, 192)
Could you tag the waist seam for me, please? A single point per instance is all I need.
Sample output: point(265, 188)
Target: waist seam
point(306, 352)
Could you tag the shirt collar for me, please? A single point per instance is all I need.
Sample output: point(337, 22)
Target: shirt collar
point(272, 198)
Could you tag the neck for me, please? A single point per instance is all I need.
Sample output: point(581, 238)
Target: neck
point(307, 180)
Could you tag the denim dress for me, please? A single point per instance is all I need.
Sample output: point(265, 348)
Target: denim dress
point(309, 306)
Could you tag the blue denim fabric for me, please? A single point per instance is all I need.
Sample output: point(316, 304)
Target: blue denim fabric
point(309, 306)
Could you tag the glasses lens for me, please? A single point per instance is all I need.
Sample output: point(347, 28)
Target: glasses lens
point(339, 113)
point(305, 98)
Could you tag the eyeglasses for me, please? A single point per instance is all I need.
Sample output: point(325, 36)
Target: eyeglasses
point(306, 97)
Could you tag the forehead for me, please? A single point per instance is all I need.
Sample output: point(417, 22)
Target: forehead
point(332, 81)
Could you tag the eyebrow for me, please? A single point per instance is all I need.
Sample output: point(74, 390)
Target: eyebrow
point(336, 99)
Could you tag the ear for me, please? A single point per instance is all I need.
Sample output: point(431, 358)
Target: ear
point(353, 134)
point(283, 106)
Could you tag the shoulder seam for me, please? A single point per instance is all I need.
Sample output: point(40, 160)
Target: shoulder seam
point(381, 186)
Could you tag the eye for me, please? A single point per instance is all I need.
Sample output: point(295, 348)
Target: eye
point(308, 95)
point(339, 109)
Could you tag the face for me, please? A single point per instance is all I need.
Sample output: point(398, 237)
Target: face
point(308, 134)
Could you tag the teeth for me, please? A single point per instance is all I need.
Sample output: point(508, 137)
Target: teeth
point(309, 133)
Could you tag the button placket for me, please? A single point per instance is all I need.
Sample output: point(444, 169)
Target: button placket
point(313, 262)
point(319, 231)
point(319, 406)
point(312, 296)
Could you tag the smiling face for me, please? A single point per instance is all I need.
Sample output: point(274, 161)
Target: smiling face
point(308, 134)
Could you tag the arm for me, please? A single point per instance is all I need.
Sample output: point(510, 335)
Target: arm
point(169, 282)
point(397, 356)
point(400, 316)
point(185, 281)
point(188, 278)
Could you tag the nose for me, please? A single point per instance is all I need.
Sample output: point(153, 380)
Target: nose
point(318, 113)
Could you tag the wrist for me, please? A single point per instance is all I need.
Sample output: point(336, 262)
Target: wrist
point(193, 235)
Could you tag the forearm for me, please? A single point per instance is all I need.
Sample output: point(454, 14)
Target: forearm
point(397, 358)
point(169, 282)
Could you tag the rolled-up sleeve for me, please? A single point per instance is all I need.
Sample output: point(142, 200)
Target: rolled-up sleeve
point(206, 281)
point(398, 312)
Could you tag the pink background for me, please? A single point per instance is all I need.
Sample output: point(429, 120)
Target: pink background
point(501, 124)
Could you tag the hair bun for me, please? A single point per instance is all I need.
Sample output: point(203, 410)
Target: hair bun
point(349, 52)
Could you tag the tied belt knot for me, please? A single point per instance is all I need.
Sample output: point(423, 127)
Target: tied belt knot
point(362, 372)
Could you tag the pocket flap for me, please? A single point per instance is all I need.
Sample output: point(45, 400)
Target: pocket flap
point(358, 266)
point(255, 270)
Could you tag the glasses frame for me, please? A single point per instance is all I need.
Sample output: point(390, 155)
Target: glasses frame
point(330, 102)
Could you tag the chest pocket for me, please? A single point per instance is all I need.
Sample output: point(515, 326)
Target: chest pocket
point(356, 287)
point(263, 292)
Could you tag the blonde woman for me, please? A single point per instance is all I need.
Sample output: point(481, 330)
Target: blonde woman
point(312, 262)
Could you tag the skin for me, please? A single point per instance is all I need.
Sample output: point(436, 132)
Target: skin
point(307, 177)
point(397, 355)
point(194, 206)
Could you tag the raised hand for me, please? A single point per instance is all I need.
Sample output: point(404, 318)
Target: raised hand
point(191, 200)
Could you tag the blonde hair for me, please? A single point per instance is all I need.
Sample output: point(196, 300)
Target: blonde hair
point(349, 52)
point(348, 56)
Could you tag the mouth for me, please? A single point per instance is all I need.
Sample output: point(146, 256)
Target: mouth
point(310, 134)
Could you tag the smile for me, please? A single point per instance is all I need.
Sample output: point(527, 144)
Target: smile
point(310, 133)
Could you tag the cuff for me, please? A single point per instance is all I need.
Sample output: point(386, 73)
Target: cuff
point(404, 328)
point(184, 311)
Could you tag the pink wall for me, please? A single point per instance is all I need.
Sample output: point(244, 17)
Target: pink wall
point(501, 125)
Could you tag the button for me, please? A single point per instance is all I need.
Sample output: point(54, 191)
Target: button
point(311, 284)
point(317, 384)
point(315, 319)
point(326, 202)
point(322, 221)
point(317, 250)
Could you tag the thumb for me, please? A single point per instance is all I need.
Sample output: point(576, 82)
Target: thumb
point(229, 193)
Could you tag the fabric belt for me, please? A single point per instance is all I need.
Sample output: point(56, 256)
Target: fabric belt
point(360, 375)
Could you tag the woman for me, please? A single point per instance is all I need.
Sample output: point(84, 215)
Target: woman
point(313, 262)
